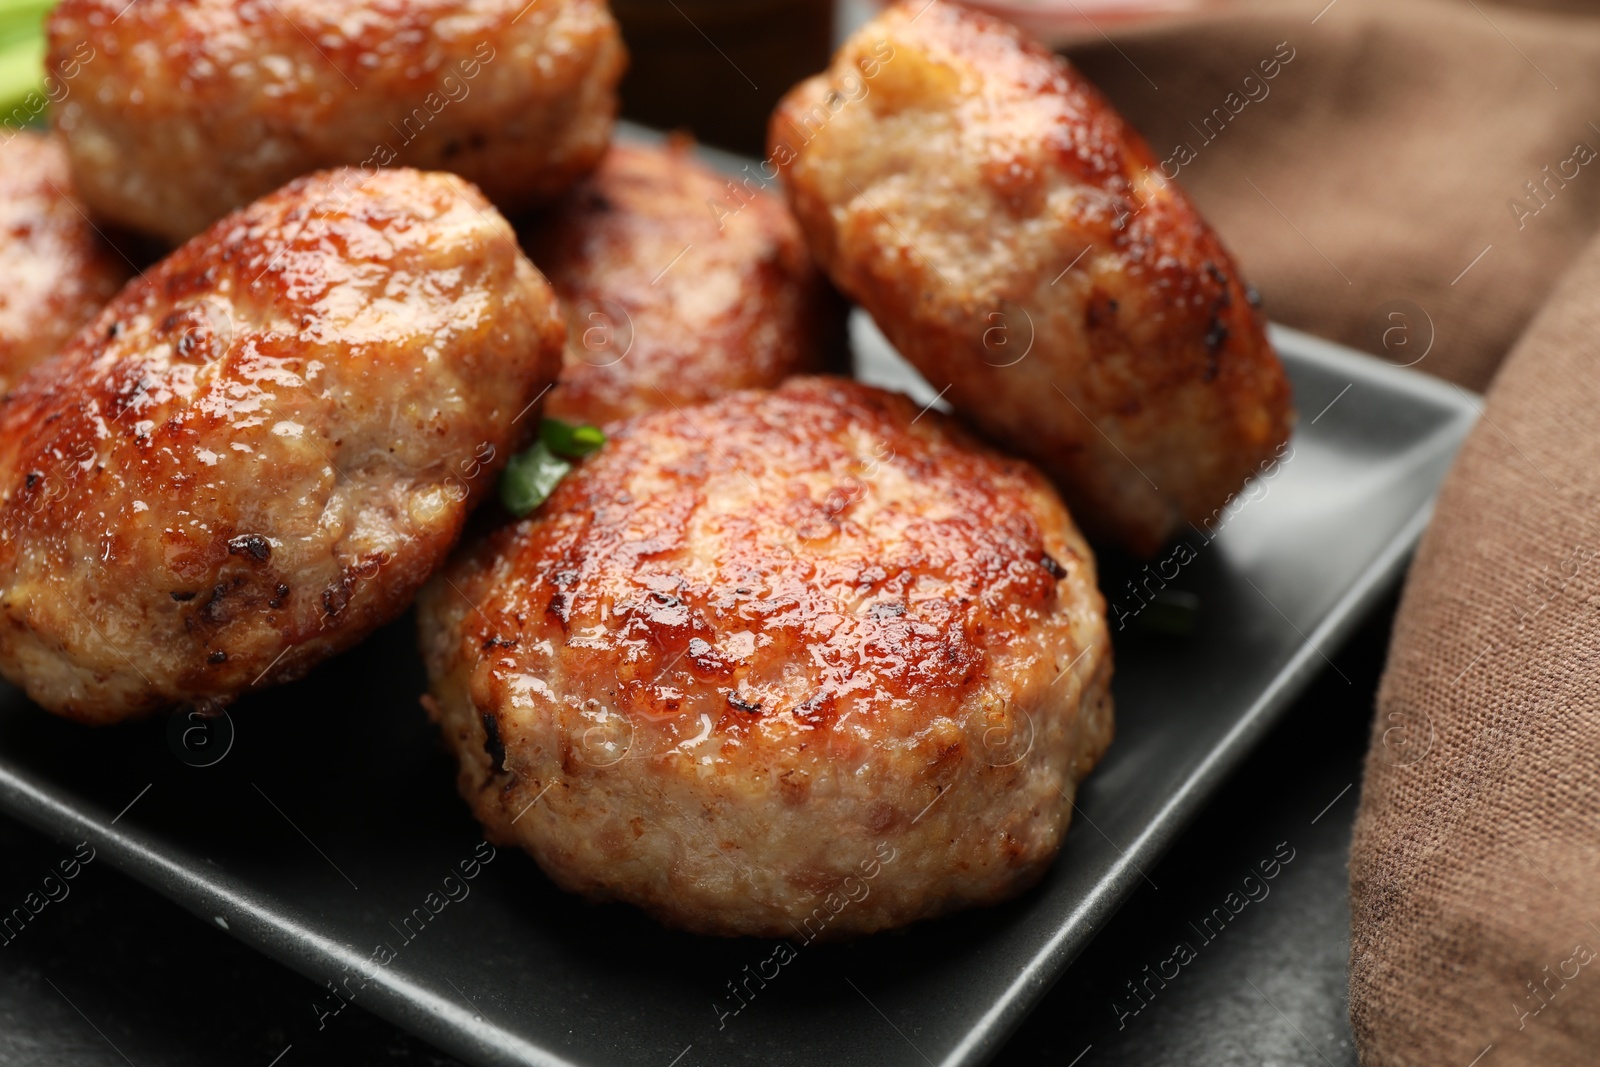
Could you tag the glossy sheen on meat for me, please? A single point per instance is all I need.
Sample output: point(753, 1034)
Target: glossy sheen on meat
point(680, 285)
point(260, 450)
point(55, 270)
point(191, 108)
point(1017, 241)
point(791, 663)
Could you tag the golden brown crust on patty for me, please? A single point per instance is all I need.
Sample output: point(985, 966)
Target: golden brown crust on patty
point(680, 285)
point(55, 269)
point(258, 451)
point(751, 647)
point(187, 109)
point(1015, 239)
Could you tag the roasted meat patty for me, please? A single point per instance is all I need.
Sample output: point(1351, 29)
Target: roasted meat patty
point(55, 268)
point(804, 662)
point(259, 450)
point(681, 284)
point(1019, 244)
point(188, 109)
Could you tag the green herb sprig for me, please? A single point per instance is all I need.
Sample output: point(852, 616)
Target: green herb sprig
point(22, 48)
point(533, 475)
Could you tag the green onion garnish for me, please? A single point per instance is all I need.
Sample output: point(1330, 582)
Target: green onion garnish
point(532, 476)
point(22, 48)
point(566, 439)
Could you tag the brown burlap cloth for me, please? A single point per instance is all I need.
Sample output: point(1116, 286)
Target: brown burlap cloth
point(1384, 170)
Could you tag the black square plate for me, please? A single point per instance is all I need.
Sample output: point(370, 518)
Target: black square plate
point(325, 825)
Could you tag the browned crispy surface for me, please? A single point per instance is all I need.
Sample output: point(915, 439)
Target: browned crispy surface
point(190, 108)
point(749, 647)
point(55, 270)
point(1016, 240)
point(257, 452)
point(680, 285)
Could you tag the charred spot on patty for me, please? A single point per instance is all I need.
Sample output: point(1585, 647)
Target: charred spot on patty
point(215, 609)
point(255, 546)
point(335, 599)
point(492, 744)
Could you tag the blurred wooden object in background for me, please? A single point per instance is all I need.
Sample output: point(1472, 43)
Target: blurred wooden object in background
point(1059, 21)
point(717, 67)
point(1056, 22)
